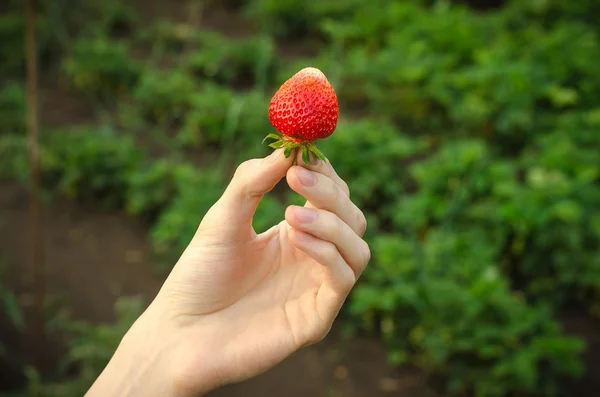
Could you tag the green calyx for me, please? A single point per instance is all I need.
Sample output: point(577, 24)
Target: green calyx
point(290, 146)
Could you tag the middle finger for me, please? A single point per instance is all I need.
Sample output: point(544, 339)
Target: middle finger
point(324, 193)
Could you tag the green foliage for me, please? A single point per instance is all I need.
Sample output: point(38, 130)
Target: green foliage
point(71, 18)
point(13, 157)
point(505, 183)
point(373, 142)
point(543, 239)
point(9, 304)
point(269, 213)
point(445, 306)
point(475, 80)
point(239, 63)
point(554, 213)
point(101, 67)
point(12, 37)
point(293, 18)
point(164, 96)
point(556, 11)
point(83, 163)
point(111, 16)
point(12, 108)
point(12, 26)
point(150, 188)
point(253, 122)
point(165, 36)
point(205, 122)
point(90, 164)
point(177, 224)
point(90, 347)
point(224, 119)
point(201, 113)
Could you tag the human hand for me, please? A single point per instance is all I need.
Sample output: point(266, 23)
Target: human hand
point(238, 303)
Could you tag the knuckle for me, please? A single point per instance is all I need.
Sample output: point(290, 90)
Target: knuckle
point(349, 281)
point(318, 335)
point(242, 178)
point(324, 331)
point(336, 192)
point(366, 253)
point(345, 188)
point(330, 253)
point(339, 225)
point(361, 223)
point(244, 168)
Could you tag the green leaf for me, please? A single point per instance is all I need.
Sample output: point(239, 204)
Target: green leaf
point(288, 151)
point(315, 149)
point(11, 305)
point(397, 357)
point(305, 155)
point(272, 136)
point(276, 145)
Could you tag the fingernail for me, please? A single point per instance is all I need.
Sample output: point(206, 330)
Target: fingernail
point(313, 159)
point(273, 156)
point(305, 215)
point(307, 178)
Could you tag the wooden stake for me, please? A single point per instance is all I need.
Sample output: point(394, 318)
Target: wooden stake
point(35, 202)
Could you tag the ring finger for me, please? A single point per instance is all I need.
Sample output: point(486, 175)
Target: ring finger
point(329, 227)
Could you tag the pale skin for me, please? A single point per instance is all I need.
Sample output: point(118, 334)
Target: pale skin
point(237, 303)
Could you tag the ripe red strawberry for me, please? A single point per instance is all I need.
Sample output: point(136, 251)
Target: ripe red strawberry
point(304, 109)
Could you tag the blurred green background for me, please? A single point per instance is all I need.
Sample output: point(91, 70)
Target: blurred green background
point(469, 134)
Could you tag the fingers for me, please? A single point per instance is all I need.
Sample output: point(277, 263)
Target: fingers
point(338, 275)
point(322, 192)
point(325, 168)
point(326, 226)
point(252, 179)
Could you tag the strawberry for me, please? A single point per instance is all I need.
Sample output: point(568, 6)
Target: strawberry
point(304, 109)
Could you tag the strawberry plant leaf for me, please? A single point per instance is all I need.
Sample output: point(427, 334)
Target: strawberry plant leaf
point(276, 145)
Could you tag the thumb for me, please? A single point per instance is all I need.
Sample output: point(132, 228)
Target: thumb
point(252, 180)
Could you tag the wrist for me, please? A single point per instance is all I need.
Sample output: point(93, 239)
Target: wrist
point(145, 362)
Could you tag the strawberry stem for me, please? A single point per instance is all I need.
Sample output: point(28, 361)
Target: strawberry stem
point(291, 146)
